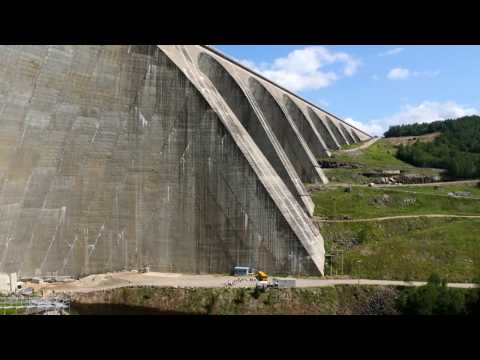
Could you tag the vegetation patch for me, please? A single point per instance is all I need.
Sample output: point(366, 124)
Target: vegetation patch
point(228, 301)
point(380, 156)
point(457, 150)
point(437, 299)
point(433, 299)
point(407, 249)
point(364, 203)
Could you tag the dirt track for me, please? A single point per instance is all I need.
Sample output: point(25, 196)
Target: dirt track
point(128, 279)
point(383, 186)
point(400, 217)
point(361, 147)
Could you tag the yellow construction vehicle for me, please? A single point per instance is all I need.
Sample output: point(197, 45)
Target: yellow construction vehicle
point(261, 276)
point(262, 279)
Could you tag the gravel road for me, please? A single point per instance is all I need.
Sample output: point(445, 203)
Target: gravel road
point(125, 279)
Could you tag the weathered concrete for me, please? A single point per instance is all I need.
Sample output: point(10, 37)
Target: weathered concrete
point(324, 130)
point(116, 157)
point(339, 136)
point(251, 117)
point(306, 128)
point(355, 136)
point(347, 134)
point(287, 134)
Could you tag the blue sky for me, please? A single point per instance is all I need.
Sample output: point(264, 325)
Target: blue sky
point(374, 86)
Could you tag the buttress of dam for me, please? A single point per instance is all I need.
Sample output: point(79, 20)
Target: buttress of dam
point(169, 156)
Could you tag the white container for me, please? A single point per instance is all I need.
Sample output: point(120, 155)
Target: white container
point(285, 282)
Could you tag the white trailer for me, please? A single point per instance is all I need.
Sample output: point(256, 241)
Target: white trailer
point(284, 283)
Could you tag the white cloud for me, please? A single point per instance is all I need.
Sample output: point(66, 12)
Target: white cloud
point(394, 51)
point(398, 74)
point(305, 69)
point(425, 112)
point(429, 74)
point(402, 73)
point(369, 127)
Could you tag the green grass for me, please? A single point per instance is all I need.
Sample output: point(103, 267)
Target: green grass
point(379, 156)
point(398, 249)
point(365, 203)
point(408, 249)
point(474, 190)
point(353, 146)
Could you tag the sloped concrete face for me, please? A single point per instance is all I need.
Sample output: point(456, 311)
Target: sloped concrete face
point(347, 134)
point(324, 131)
point(306, 128)
point(339, 136)
point(355, 136)
point(257, 127)
point(287, 134)
point(116, 157)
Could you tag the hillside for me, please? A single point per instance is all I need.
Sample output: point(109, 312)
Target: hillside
point(397, 232)
point(364, 202)
point(464, 124)
point(356, 167)
point(457, 149)
point(334, 300)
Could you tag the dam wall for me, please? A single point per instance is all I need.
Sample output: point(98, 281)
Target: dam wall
point(169, 156)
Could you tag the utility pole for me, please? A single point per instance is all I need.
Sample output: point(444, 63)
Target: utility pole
point(334, 208)
point(331, 264)
point(342, 263)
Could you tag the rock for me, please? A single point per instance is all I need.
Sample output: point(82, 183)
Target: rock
point(460, 194)
point(391, 172)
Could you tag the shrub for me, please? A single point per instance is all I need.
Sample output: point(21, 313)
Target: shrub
point(435, 298)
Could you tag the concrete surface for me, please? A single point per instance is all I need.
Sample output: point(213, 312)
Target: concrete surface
point(117, 157)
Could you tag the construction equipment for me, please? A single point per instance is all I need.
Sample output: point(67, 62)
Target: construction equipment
point(261, 276)
point(262, 279)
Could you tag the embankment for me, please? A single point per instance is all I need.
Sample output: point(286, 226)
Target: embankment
point(337, 300)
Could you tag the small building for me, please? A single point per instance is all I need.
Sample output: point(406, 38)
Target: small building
point(243, 271)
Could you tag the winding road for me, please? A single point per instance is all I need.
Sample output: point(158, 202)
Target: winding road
point(366, 145)
point(399, 217)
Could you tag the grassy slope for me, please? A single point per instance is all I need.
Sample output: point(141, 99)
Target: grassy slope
point(410, 249)
point(402, 248)
point(444, 190)
point(364, 203)
point(379, 156)
point(320, 301)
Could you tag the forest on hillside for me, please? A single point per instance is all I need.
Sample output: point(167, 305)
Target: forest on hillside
point(457, 150)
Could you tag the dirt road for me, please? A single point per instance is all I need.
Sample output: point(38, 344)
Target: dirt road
point(361, 147)
point(443, 183)
point(127, 279)
point(383, 186)
point(400, 217)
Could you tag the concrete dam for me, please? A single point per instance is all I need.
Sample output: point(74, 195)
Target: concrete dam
point(168, 156)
